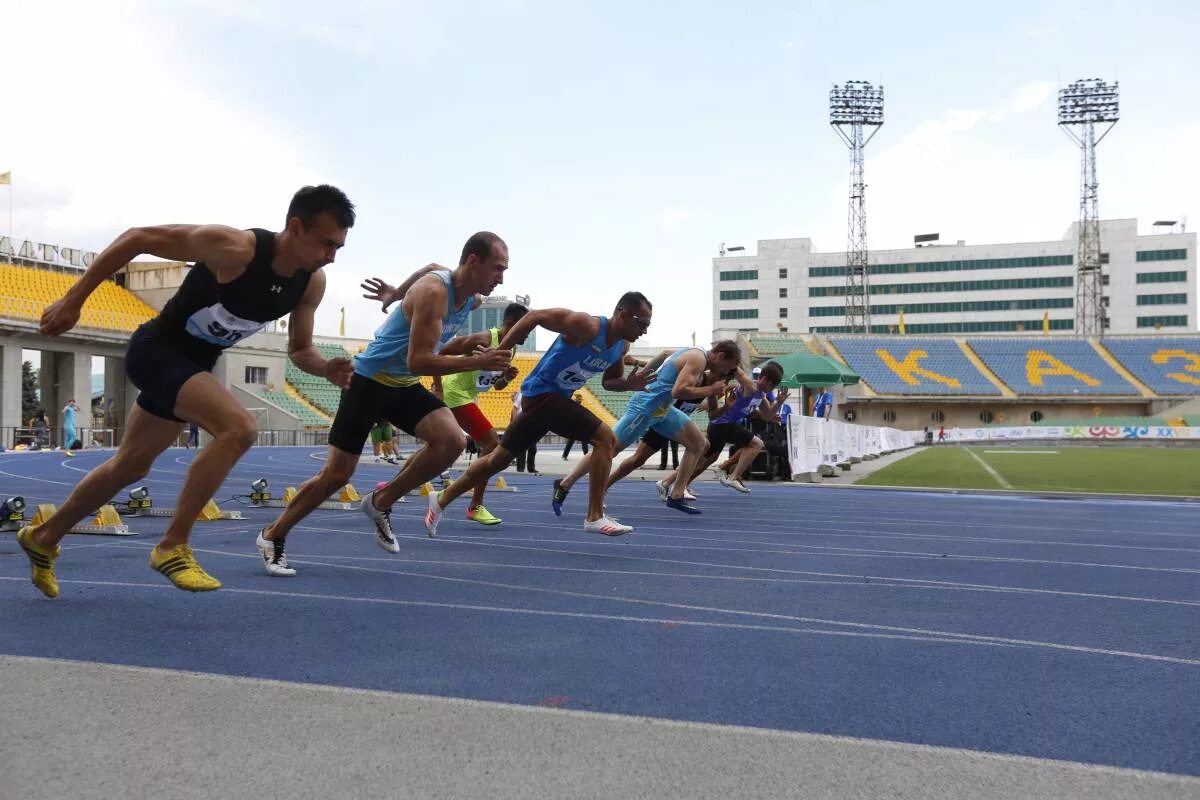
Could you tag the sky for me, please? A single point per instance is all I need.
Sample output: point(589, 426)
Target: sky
point(613, 145)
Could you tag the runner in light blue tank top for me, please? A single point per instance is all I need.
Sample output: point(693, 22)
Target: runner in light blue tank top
point(386, 358)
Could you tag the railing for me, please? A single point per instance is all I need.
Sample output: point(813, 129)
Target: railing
point(51, 438)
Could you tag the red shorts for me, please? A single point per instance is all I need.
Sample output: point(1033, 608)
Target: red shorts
point(472, 420)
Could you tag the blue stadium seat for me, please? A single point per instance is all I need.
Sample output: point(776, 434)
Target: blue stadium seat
point(1169, 366)
point(1050, 365)
point(913, 365)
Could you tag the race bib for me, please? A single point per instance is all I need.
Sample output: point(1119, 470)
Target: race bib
point(573, 377)
point(487, 379)
point(216, 325)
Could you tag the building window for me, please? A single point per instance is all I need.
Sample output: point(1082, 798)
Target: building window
point(955, 266)
point(986, 417)
point(950, 286)
point(1161, 255)
point(1162, 277)
point(740, 275)
point(782, 294)
point(889, 416)
point(783, 273)
point(1170, 321)
point(256, 375)
point(1178, 299)
point(739, 313)
point(1036, 416)
point(740, 294)
point(783, 313)
point(938, 417)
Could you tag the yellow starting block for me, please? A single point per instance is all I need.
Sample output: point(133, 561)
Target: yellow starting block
point(503, 485)
point(212, 511)
point(106, 522)
point(349, 494)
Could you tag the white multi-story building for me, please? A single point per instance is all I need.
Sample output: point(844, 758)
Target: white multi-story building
point(1150, 285)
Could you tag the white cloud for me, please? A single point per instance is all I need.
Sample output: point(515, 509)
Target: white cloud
point(105, 131)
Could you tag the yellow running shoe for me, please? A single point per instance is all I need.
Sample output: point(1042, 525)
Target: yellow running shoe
point(180, 567)
point(483, 516)
point(42, 562)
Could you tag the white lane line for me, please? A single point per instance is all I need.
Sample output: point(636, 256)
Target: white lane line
point(628, 543)
point(846, 578)
point(892, 629)
point(1024, 452)
point(673, 621)
point(996, 476)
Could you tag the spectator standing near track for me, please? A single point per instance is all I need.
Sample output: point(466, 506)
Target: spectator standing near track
point(70, 434)
point(823, 404)
point(241, 280)
point(527, 457)
point(571, 442)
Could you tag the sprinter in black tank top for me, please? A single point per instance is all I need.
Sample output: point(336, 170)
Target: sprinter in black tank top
point(241, 281)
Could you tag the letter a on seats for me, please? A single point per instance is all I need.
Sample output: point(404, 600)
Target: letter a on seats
point(1039, 364)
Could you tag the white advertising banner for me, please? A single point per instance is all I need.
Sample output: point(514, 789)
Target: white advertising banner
point(813, 442)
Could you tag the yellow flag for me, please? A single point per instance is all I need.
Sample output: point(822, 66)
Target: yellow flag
point(1046, 323)
point(901, 323)
point(5, 179)
point(342, 326)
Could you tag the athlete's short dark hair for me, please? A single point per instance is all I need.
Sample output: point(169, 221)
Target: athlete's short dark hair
point(772, 372)
point(324, 199)
point(728, 348)
point(631, 301)
point(514, 311)
point(480, 245)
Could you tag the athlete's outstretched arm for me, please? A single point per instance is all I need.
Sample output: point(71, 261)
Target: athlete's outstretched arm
point(577, 326)
point(385, 293)
point(300, 344)
point(614, 378)
point(216, 245)
point(462, 345)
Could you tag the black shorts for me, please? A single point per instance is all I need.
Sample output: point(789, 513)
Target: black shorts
point(367, 401)
point(159, 370)
point(725, 433)
point(655, 440)
point(549, 413)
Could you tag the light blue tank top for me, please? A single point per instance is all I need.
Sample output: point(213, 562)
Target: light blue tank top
point(656, 398)
point(386, 358)
point(566, 368)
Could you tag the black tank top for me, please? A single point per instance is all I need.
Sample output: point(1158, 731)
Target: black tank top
point(204, 316)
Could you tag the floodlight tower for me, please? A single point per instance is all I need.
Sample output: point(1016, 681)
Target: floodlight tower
point(856, 113)
point(1083, 106)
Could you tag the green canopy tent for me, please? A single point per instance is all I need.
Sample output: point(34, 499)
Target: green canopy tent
point(809, 369)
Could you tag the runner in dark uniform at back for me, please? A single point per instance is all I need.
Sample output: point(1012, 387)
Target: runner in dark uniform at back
point(241, 281)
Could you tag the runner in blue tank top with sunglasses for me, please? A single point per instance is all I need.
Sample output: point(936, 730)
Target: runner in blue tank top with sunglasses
point(586, 346)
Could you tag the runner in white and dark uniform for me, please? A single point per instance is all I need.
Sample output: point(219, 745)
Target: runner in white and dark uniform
point(241, 281)
point(586, 346)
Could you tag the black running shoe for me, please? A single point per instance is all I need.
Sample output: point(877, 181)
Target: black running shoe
point(560, 497)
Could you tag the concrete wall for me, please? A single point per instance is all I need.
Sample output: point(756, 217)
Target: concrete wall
point(912, 415)
point(155, 282)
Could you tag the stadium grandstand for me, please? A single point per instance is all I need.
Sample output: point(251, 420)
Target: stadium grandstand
point(917, 381)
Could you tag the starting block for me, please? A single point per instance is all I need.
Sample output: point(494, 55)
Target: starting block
point(503, 485)
point(107, 521)
point(345, 500)
point(212, 511)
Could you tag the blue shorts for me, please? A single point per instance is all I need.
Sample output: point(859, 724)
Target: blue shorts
point(633, 425)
